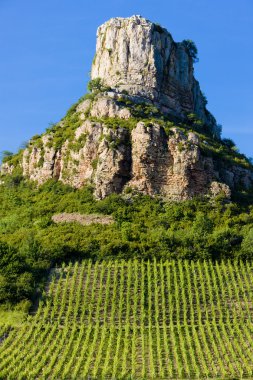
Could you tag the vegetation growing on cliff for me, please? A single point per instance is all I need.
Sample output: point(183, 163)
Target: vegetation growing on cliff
point(192, 49)
point(59, 133)
point(97, 86)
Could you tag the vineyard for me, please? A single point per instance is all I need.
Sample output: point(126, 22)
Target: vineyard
point(137, 320)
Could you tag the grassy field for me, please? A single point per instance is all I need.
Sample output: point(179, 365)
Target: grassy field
point(137, 320)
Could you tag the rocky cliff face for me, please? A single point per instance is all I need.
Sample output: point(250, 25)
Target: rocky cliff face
point(130, 155)
point(117, 141)
point(140, 57)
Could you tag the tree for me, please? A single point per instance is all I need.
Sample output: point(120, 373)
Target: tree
point(5, 154)
point(229, 143)
point(192, 49)
point(96, 85)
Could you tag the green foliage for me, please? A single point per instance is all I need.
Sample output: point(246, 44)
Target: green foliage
point(78, 144)
point(247, 243)
point(194, 121)
point(140, 111)
point(90, 96)
point(135, 319)
point(65, 130)
point(228, 143)
point(144, 227)
point(97, 85)
point(116, 122)
point(18, 273)
point(6, 155)
point(94, 163)
point(14, 160)
point(180, 147)
point(192, 49)
point(224, 155)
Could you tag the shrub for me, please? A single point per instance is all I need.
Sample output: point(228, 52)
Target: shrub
point(94, 163)
point(247, 244)
point(229, 143)
point(5, 155)
point(192, 49)
point(97, 85)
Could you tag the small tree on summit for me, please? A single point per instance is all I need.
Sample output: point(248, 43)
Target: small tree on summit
point(192, 49)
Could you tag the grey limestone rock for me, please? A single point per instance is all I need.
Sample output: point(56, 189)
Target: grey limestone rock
point(138, 56)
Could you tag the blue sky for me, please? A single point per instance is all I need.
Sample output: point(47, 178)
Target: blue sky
point(47, 48)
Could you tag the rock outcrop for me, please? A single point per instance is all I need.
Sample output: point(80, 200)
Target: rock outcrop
point(122, 139)
point(172, 167)
point(141, 157)
point(141, 58)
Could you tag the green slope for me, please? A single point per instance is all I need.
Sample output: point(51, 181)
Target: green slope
point(144, 227)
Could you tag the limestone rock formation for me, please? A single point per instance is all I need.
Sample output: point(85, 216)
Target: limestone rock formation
point(144, 158)
point(172, 167)
point(133, 136)
point(140, 57)
point(6, 168)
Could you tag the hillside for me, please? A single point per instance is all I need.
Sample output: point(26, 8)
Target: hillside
point(139, 320)
point(144, 133)
point(126, 229)
point(31, 239)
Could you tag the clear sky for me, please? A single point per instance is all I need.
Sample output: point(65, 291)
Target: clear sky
point(46, 50)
